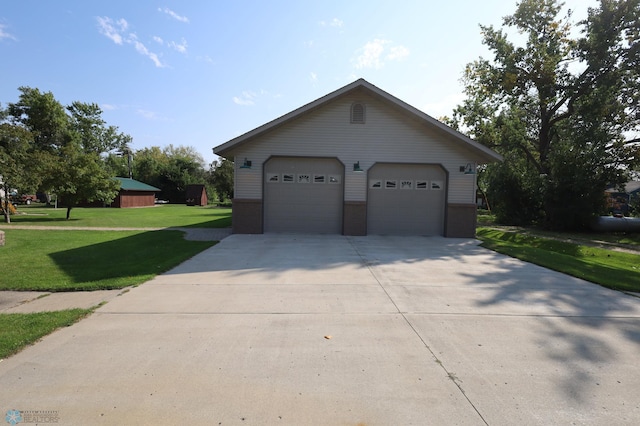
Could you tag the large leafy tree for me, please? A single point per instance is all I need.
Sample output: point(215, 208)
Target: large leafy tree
point(559, 108)
point(68, 144)
point(94, 135)
point(43, 116)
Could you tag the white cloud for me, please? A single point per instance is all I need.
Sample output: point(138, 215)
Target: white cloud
point(247, 98)
point(174, 15)
point(398, 53)
point(182, 47)
point(158, 40)
point(108, 107)
point(313, 77)
point(372, 54)
point(5, 35)
point(112, 29)
point(335, 22)
point(116, 32)
point(142, 49)
point(369, 55)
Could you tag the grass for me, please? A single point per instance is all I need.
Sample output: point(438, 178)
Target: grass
point(69, 260)
point(20, 330)
point(160, 216)
point(612, 269)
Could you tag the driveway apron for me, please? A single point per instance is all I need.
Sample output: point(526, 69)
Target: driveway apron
point(334, 330)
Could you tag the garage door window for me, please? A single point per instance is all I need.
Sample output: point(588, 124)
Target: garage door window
point(304, 178)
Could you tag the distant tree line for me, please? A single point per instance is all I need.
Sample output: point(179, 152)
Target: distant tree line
point(73, 153)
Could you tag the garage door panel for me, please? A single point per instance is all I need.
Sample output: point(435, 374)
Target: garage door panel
point(303, 195)
point(418, 209)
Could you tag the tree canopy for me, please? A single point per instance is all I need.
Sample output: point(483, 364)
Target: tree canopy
point(563, 109)
point(59, 148)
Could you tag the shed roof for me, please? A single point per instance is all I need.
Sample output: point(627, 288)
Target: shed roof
point(128, 184)
point(482, 151)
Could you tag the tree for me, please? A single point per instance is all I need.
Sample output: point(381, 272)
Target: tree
point(68, 145)
point(94, 134)
point(557, 109)
point(42, 115)
point(171, 169)
point(221, 178)
point(80, 177)
point(16, 165)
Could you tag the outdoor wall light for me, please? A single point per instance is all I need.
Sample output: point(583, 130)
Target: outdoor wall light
point(356, 167)
point(246, 164)
point(469, 169)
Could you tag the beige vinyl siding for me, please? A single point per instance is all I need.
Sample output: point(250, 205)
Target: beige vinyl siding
point(387, 136)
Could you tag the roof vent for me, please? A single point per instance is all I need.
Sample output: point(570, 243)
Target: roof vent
point(358, 113)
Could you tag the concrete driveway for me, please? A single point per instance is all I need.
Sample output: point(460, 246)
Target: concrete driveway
point(332, 330)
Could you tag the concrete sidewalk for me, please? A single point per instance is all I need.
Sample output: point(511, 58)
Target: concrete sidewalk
point(333, 330)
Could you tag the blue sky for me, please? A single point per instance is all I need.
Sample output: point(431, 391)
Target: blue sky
point(199, 73)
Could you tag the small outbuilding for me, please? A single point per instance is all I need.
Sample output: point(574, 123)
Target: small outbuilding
point(134, 194)
point(196, 195)
point(357, 161)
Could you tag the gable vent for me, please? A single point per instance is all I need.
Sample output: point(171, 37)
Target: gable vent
point(358, 113)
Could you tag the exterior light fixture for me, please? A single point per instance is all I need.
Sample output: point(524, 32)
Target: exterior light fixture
point(356, 167)
point(469, 169)
point(246, 164)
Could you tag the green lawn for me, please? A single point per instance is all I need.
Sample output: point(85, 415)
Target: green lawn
point(616, 270)
point(160, 216)
point(68, 260)
point(20, 330)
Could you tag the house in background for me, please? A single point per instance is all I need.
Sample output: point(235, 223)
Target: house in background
point(134, 194)
point(196, 195)
point(357, 161)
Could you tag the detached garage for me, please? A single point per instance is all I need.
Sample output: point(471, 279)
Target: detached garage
point(357, 161)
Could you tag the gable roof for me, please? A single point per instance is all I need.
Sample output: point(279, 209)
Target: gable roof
point(128, 184)
point(486, 153)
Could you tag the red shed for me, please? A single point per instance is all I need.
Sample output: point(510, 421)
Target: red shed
point(134, 194)
point(196, 195)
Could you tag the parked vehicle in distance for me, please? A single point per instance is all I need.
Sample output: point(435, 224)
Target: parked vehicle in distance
point(24, 199)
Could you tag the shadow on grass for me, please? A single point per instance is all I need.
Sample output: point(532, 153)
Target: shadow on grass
point(223, 222)
point(125, 261)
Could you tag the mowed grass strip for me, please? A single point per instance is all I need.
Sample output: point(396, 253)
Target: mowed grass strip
point(612, 269)
point(160, 216)
point(68, 260)
point(20, 330)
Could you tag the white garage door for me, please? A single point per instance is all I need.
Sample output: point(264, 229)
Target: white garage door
point(303, 195)
point(406, 199)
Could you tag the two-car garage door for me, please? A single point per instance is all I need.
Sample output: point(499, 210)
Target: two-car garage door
point(306, 195)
